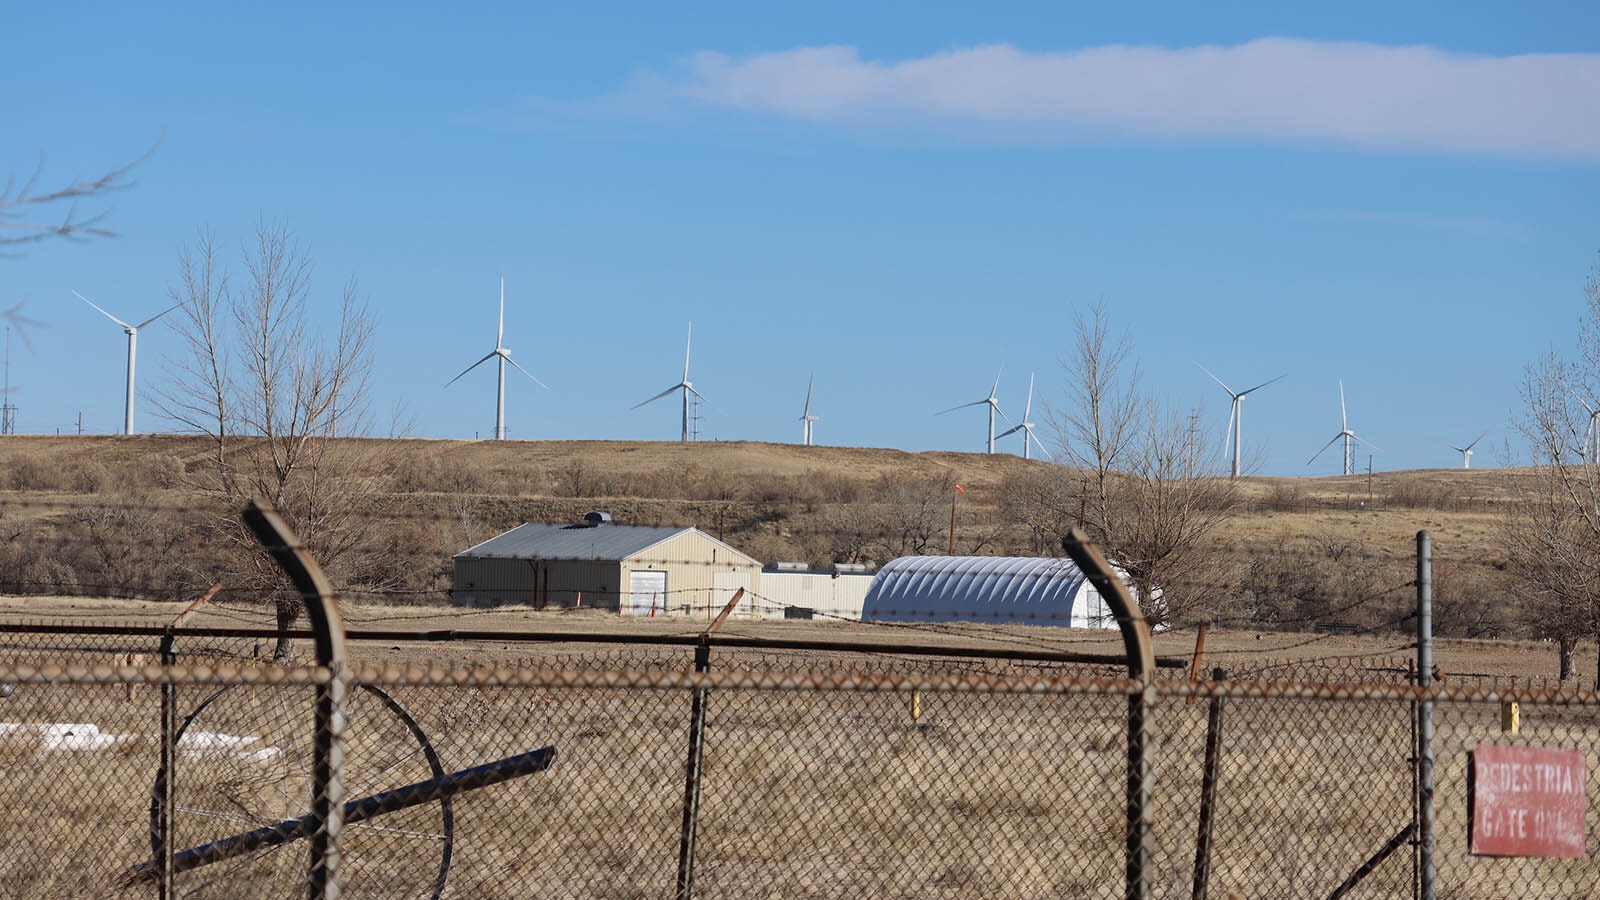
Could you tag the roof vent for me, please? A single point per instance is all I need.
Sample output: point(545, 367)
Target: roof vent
point(597, 518)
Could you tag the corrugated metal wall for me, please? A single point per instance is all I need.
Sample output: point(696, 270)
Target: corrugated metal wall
point(692, 561)
point(828, 596)
point(555, 583)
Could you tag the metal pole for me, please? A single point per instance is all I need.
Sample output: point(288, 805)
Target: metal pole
point(327, 627)
point(1140, 845)
point(691, 781)
point(161, 838)
point(1425, 714)
point(1208, 794)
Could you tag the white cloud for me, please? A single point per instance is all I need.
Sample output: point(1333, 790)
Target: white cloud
point(1276, 89)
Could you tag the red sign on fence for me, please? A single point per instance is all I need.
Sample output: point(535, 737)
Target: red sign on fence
point(1528, 801)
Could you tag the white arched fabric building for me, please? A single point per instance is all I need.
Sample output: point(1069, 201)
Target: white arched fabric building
point(997, 589)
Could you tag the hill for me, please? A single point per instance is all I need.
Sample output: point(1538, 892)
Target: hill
point(1322, 543)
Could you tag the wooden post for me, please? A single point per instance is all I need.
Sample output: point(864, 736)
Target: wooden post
point(1510, 717)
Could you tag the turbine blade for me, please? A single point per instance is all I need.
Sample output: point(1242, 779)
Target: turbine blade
point(527, 373)
point(1010, 431)
point(809, 385)
point(963, 406)
point(102, 312)
point(1040, 444)
point(1330, 443)
point(486, 357)
point(1233, 419)
point(1027, 409)
point(1344, 420)
point(1360, 440)
point(687, 342)
point(690, 389)
point(500, 333)
point(1475, 442)
point(1217, 380)
point(995, 389)
point(157, 316)
point(998, 411)
point(664, 393)
point(1264, 384)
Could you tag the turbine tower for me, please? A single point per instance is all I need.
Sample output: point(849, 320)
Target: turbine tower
point(989, 401)
point(687, 387)
point(1466, 452)
point(806, 418)
point(132, 331)
point(1344, 432)
point(1026, 427)
point(1234, 426)
point(504, 353)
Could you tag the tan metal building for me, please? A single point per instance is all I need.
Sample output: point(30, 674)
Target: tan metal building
point(635, 570)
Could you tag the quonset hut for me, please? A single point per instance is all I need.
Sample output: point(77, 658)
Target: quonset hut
point(996, 589)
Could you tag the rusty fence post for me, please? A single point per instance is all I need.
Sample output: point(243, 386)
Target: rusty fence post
point(327, 628)
point(1141, 668)
point(1208, 793)
point(1425, 868)
point(691, 778)
point(161, 836)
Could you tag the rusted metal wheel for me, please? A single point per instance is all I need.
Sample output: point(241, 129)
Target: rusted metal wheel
point(243, 760)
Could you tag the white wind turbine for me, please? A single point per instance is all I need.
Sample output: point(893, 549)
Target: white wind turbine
point(1590, 450)
point(989, 401)
point(504, 353)
point(132, 331)
point(1026, 427)
point(1234, 425)
point(806, 418)
point(1466, 452)
point(684, 385)
point(1345, 433)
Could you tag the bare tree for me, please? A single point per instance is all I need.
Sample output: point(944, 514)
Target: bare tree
point(30, 212)
point(272, 393)
point(1554, 529)
point(1148, 480)
point(1097, 427)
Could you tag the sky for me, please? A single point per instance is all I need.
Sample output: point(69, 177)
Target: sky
point(902, 200)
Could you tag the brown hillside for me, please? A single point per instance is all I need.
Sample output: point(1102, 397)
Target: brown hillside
point(775, 501)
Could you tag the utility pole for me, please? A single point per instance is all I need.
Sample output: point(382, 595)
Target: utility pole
point(8, 412)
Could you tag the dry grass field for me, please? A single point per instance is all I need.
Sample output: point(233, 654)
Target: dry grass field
point(807, 794)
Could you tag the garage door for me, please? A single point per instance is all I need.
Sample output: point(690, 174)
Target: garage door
point(647, 593)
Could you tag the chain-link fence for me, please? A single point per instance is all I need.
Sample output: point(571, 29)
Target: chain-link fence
point(622, 771)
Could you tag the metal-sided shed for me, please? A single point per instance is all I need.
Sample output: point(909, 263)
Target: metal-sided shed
point(796, 592)
point(633, 569)
point(999, 589)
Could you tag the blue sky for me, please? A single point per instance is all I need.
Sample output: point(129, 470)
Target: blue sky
point(902, 200)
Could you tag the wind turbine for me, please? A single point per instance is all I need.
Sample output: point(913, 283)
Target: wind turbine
point(687, 387)
point(1026, 427)
point(806, 418)
point(132, 331)
point(989, 401)
point(1234, 425)
point(1466, 452)
point(1591, 435)
point(504, 353)
point(1344, 432)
